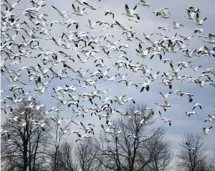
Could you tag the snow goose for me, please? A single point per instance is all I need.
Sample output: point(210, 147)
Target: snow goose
point(156, 53)
point(190, 113)
point(206, 130)
point(198, 30)
point(190, 96)
point(190, 14)
point(121, 101)
point(145, 85)
point(197, 105)
point(210, 118)
point(78, 11)
point(144, 3)
point(163, 12)
point(91, 24)
point(142, 53)
point(176, 25)
point(108, 12)
point(165, 119)
point(199, 21)
point(209, 38)
point(130, 12)
point(62, 13)
point(165, 96)
point(189, 53)
point(193, 9)
point(13, 5)
point(165, 105)
point(168, 83)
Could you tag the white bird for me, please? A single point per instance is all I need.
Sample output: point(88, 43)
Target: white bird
point(190, 96)
point(168, 83)
point(165, 119)
point(144, 3)
point(121, 101)
point(193, 9)
point(57, 120)
point(128, 83)
point(165, 96)
point(203, 51)
point(209, 38)
point(196, 68)
point(40, 89)
point(206, 130)
point(190, 113)
point(210, 118)
point(163, 28)
point(135, 20)
point(113, 78)
point(198, 30)
point(189, 53)
point(62, 13)
point(142, 53)
point(156, 53)
point(165, 105)
point(108, 12)
point(184, 64)
point(176, 25)
point(163, 12)
point(131, 12)
point(31, 105)
point(13, 5)
point(174, 70)
point(190, 14)
point(122, 27)
point(78, 11)
point(91, 24)
point(197, 105)
point(145, 85)
point(153, 77)
point(16, 100)
point(199, 21)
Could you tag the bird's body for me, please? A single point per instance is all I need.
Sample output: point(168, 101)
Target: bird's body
point(205, 130)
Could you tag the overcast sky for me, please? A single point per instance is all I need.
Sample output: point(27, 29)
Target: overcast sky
point(149, 23)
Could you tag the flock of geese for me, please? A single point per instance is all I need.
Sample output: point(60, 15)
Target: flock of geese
point(64, 58)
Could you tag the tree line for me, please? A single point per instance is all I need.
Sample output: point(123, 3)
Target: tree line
point(31, 141)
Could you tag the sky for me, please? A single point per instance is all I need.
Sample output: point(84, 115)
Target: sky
point(148, 24)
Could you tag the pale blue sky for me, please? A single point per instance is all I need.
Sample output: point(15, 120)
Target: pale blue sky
point(181, 124)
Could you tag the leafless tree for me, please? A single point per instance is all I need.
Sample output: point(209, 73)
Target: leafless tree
point(207, 164)
point(59, 132)
point(25, 138)
point(160, 150)
point(125, 144)
point(65, 158)
point(86, 155)
point(192, 157)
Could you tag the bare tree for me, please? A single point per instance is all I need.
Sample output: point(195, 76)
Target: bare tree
point(59, 131)
point(86, 155)
point(65, 158)
point(126, 146)
point(25, 138)
point(192, 157)
point(160, 150)
point(205, 166)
